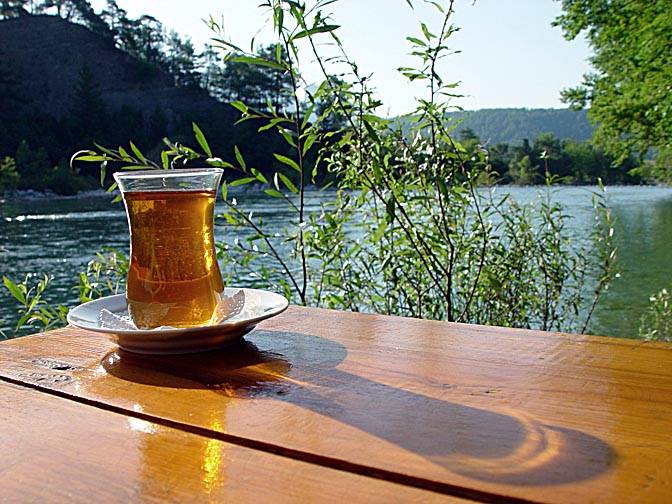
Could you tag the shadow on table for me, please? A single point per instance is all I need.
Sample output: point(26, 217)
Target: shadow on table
point(507, 448)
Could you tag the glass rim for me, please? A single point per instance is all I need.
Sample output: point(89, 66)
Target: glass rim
point(162, 173)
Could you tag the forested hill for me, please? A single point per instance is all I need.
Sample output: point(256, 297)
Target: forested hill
point(64, 87)
point(57, 68)
point(513, 125)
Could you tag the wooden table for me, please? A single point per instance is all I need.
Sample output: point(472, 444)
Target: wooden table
point(326, 406)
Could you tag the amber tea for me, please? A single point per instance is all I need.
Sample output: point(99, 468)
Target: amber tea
point(173, 279)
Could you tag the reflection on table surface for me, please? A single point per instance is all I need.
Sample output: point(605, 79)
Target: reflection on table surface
point(447, 410)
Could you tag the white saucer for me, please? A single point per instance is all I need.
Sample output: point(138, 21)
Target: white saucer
point(174, 341)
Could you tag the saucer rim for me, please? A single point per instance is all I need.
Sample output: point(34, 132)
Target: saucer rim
point(77, 316)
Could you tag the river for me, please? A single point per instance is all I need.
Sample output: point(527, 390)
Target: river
point(58, 236)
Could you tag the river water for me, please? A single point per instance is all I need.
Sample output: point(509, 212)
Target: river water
point(58, 236)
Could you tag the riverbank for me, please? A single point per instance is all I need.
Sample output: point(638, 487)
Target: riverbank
point(33, 195)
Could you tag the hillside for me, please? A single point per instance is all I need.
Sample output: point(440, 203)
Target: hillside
point(64, 88)
point(48, 60)
point(512, 126)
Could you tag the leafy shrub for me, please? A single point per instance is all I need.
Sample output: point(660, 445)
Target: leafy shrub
point(34, 311)
point(9, 177)
point(656, 324)
point(65, 181)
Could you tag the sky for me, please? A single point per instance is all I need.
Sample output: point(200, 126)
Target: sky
point(509, 55)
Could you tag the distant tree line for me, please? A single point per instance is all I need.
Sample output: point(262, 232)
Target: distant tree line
point(567, 161)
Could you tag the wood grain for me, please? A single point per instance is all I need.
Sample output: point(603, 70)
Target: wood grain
point(55, 450)
point(478, 412)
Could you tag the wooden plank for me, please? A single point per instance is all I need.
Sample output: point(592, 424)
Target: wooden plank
point(474, 411)
point(55, 450)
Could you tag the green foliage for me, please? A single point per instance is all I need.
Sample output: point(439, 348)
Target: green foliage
point(34, 171)
point(523, 172)
point(9, 177)
point(12, 8)
point(31, 164)
point(65, 181)
point(89, 115)
point(34, 311)
point(655, 172)
point(259, 80)
point(656, 324)
point(569, 161)
point(181, 61)
point(104, 276)
point(628, 94)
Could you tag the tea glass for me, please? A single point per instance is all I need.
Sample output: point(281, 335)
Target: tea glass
point(173, 277)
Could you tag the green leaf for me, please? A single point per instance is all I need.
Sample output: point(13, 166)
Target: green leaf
point(239, 157)
point(307, 115)
point(231, 219)
point(164, 160)
point(437, 5)
point(259, 176)
point(137, 153)
point(371, 131)
point(225, 44)
point(413, 75)
point(240, 106)
point(33, 303)
point(259, 61)
point(200, 138)
point(308, 142)
point(417, 41)
point(278, 18)
point(22, 321)
point(288, 138)
point(428, 35)
point(314, 31)
point(14, 289)
point(287, 183)
point(289, 162)
point(109, 152)
point(218, 163)
point(124, 155)
point(242, 181)
point(273, 122)
point(274, 193)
